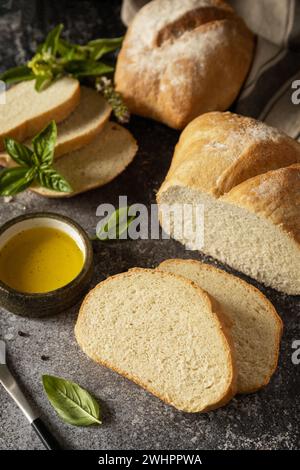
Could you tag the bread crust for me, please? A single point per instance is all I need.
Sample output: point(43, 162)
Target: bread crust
point(174, 54)
point(274, 195)
point(220, 321)
point(34, 125)
point(254, 290)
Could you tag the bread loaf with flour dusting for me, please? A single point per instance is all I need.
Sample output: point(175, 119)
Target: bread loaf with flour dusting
point(182, 58)
point(247, 176)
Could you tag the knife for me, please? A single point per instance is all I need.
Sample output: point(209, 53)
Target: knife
point(13, 389)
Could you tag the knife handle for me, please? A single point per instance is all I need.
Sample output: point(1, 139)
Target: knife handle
point(47, 438)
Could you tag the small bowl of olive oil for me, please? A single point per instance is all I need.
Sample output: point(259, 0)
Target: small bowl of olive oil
point(46, 264)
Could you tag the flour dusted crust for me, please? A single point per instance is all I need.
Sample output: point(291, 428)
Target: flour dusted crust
point(182, 58)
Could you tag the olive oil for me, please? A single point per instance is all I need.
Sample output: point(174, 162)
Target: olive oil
point(40, 259)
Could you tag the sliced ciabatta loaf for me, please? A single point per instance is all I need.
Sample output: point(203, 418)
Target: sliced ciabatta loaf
point(80, 128)
point(26, 111)
point(164, 333)
point(247, 176)
point(256, 327)
point(96, 164)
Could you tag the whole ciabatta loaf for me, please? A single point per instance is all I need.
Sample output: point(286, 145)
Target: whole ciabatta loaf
point(164, 333)
point(247, 176)
point(182, 58)
point(256, 327)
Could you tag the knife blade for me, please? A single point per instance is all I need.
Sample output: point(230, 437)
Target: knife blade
point(11, 386)
point(2, 353)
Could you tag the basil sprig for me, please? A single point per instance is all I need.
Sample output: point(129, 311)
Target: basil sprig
point(35, 165)
point(57, 57)
point(73, 404)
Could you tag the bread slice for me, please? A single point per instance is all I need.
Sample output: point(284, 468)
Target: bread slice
point(246, 176)
point(256, 327)
point(162, 332)
point(80, 128)
point(26, 111)
point(98, 163)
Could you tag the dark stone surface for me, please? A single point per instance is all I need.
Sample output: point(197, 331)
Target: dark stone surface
point(132, 418)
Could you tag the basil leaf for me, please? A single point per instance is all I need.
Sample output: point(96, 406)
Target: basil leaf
point(73, 404)
point(71, 51)
point(43, 81)
point(117, 224)
point(85, 68)
point(44, 144)
point(18, 152)
point(51, 44)
point(51, 179)
point(11, 175)
point(99, 47)
point(15, 180)
point(17, 74)
point(65, 47)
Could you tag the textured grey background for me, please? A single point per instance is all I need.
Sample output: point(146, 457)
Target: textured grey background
point(132, 418)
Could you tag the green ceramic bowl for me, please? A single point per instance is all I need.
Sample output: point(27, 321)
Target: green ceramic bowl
point(49, 303)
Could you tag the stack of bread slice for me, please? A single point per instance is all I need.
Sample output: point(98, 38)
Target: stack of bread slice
point(93, 150)
point(189, 333)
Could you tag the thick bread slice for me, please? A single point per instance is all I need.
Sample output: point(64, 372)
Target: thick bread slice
point(247, 176)
point(256, 327)
point(162, 332)
point(96, 164)
point(80, 128)
point(26, 111)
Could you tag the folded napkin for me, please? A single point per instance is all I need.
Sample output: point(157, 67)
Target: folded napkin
point(271, 92)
